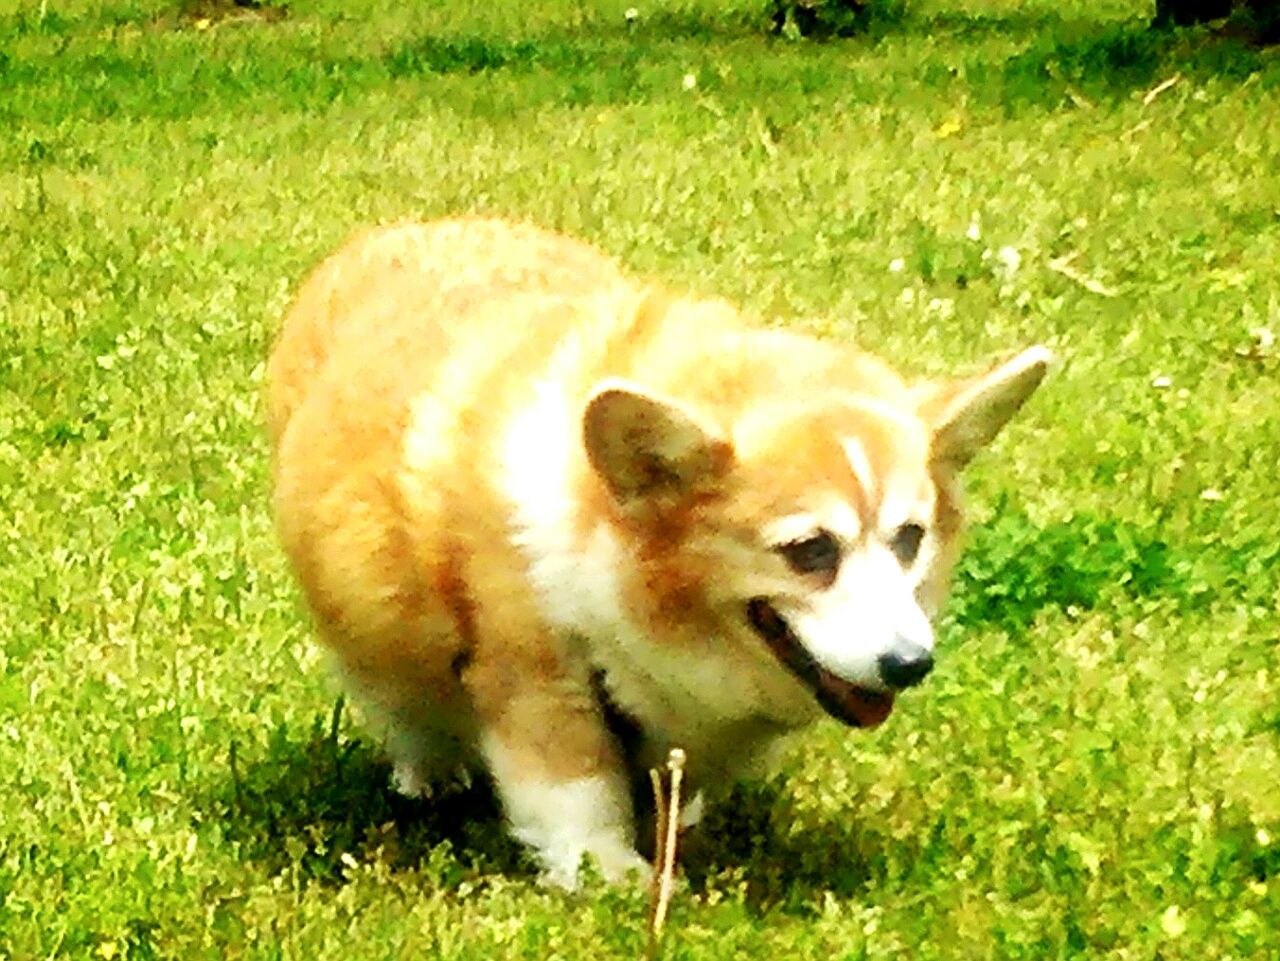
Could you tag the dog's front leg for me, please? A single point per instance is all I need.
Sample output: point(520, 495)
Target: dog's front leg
point(561, 780)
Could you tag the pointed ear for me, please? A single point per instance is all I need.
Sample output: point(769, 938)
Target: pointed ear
point(966, 415)
point(644, 447)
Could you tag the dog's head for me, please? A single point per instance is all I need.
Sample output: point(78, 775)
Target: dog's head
point(819, 534)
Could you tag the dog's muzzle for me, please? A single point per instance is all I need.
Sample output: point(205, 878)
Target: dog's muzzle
point(856, 706)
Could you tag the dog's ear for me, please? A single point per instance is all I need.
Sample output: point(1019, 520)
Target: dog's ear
point(967, 414)
point(645, 447)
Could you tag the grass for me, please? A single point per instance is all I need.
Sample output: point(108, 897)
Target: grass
point(1094, 769)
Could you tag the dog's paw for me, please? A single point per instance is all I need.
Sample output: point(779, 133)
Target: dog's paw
point(615, 864)
point(622, 867)
point(408, 780)
point(413, 781)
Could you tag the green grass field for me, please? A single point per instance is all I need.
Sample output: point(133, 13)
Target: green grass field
point(1094, 769)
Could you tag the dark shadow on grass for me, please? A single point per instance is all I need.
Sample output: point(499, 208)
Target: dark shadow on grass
point(318, 799)
point(786, 867)
point(472, 53)
point(980, 26)
point(1262, 861)
point(1115, 61)
point(1014, 567)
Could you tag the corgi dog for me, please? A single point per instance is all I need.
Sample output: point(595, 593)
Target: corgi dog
point(553, 522)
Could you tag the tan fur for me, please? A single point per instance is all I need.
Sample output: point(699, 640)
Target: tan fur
point(404, 363)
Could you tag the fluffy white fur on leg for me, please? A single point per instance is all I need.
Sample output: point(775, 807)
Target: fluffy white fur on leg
point(564, 820)
point(409, 781)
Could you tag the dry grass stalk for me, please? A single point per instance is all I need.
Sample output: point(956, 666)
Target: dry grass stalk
point(1159, 89)
point(1062, 265)
point(667, 828)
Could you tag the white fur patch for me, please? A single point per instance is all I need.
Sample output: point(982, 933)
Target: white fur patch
point(563, 821)
point(908, 498)
point(576, 581)
point(861, 464)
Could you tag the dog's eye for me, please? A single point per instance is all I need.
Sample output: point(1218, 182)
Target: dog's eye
point(819, 554)
point(906, 543)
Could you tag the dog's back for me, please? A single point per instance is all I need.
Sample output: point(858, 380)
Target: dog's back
point(383, 294)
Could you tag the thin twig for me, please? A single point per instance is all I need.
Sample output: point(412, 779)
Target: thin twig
point(667, 830)
point(1076, 97)
point(1079, 99)
point(1136, 129)
point(659, 832)
point(1062, 265)
point(1159, 89)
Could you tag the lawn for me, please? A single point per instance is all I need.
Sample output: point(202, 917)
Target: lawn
point(1093, 770)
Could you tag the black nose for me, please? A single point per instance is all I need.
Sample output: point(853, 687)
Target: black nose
point(905, 669)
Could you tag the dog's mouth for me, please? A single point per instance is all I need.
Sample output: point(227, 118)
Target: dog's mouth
point(854, 705)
